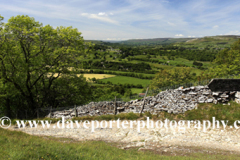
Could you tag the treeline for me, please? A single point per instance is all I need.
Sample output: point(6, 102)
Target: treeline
point(126, 85)
point(198, 64)
point(170, 51)
point(193, 55)
point(147, 60)
point(100, 47)
point(120, 66)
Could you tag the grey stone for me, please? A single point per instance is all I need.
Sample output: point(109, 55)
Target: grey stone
point(206, 93)
point(237, 95)
point(215, 93)
point(209, 100)
point(175, 112)
point(172, 101)
point(192, 93)
point(237, 100)
point(224, 96)
point(201, 101)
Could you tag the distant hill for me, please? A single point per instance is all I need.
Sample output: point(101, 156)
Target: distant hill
point(217, 41)
point(155, 41)
point(220, 41)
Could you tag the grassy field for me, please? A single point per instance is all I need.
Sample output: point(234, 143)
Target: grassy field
point(154, 41)
point(129, 80)
point(16, 145)
point(186, 62)
point(87, 76)
point(136, 90)
point(176, 61)
point(214, 42)
point(145, 74)
point(97, 76)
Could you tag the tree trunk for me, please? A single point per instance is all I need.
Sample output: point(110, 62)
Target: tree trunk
point(8, 108)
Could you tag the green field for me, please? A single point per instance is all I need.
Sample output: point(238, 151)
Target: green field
point(145, 74)
point(136, 90)
point(171, 62)
point(124, 80)
point(154, 41)
point(97, 76)
point(212, 42)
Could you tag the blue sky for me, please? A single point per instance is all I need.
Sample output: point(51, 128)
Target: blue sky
point(131, 19)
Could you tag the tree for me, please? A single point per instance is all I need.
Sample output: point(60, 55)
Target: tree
point(128, 93)
point(199, 64)
point(1, 23)
point(226, 62)
point(171, 77)
point(35, 60)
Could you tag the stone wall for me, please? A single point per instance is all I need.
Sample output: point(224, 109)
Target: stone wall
point(172, 101)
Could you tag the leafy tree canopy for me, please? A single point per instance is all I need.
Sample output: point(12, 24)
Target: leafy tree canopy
point(35, 63)
point(171, 77)
point(226, 62)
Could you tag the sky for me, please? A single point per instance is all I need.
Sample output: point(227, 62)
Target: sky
point(132, 19)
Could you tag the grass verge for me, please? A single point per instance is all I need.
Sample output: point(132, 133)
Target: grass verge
point(17, 145)
point(127, 80)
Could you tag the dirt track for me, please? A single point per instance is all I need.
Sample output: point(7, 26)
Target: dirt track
point(164, 141)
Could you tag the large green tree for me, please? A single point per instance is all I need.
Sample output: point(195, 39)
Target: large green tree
point(227, 62)
point(171, 77)
point(35, 62)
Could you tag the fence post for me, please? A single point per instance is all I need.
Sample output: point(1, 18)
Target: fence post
point(75, 109)
point(115, 106)
point(51, 112)
point(144, 101)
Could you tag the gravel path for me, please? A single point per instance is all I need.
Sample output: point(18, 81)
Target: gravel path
point(149, 138)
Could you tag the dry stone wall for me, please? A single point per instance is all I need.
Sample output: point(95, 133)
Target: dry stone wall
point(172, 101)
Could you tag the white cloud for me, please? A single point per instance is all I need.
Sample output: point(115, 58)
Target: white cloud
point(116, 39)
point(233, 33)
point(95, 16)
point(102, 14)
point(216, 26)
point(178, 35)
point(111, 39)
point(191, 36)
